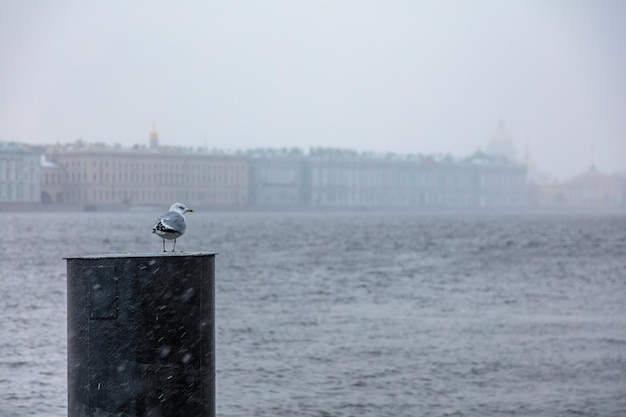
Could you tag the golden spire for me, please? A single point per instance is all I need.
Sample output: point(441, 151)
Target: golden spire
point(154, 137)
point(153, 133)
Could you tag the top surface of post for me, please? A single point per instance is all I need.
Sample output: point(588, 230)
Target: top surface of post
point(142, 255)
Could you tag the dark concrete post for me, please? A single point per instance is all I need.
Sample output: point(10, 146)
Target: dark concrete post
point(141, 335)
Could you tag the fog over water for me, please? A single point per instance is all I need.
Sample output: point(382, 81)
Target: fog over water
point(400, 76)
point(355, 313)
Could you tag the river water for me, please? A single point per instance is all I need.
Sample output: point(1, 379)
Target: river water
point(355, 314)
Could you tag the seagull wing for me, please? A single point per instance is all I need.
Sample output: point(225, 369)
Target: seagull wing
point(171, 222)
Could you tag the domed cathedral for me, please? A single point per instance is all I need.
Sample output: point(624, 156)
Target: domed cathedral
point(501, 144)
point(154, 137)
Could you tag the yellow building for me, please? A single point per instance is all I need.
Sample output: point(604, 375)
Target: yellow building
point(593, 189)
point(99, 175)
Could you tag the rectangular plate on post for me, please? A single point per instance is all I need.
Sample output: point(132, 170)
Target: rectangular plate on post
point(103, 296)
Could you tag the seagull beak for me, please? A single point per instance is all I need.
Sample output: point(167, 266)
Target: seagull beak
point(189, 210)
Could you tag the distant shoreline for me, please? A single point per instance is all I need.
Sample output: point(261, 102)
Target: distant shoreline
point(54, 208)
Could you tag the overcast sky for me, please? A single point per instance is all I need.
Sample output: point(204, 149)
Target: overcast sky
point(402, 76)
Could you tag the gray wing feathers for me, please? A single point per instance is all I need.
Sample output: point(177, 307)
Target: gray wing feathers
point(174, 222)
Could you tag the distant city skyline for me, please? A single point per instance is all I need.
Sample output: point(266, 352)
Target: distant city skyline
point(402, 77)
point(524, 156)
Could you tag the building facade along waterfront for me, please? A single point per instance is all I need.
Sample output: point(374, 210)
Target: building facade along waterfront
point(109, 176)
point(20, 173)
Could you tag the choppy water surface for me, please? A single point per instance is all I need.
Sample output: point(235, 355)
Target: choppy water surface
point(355, 314)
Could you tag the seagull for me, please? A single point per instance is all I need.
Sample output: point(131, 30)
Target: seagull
point(171, 225)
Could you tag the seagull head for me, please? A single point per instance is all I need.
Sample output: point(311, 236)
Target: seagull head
point(180, 208)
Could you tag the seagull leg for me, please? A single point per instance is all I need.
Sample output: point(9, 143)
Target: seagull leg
point(174, 247)
point(163, 244)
